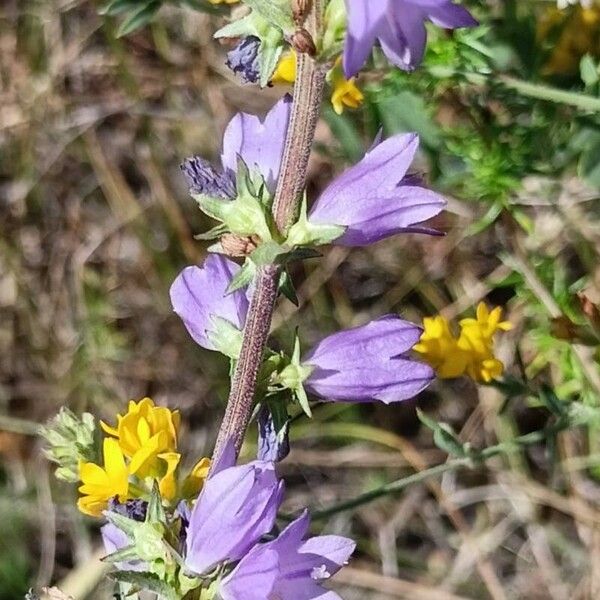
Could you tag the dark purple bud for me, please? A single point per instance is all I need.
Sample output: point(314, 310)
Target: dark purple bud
point(243, 59)
point(134, 508)
point(271, 445)
point(204, 179)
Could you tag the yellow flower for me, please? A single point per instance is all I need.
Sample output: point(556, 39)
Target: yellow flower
point(99, 484)
point(223, 1)
point(487, 322)
point(345, 92)
point(439, 348)
point(194, 482)
point(167, 483)
point(285, 73)
point(145, 432)
point(472, 353)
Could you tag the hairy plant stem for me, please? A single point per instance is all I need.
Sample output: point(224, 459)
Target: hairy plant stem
point(308, 93)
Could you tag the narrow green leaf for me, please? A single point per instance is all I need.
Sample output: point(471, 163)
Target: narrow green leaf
point(139, 18)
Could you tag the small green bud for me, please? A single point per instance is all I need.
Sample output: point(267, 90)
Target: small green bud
point(70, 440)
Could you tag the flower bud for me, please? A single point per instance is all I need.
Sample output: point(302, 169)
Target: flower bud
point(236, 245)
point(303, 43)
point(69, 441)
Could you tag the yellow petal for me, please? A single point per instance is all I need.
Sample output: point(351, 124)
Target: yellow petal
point(195, 480)
point(168, 484)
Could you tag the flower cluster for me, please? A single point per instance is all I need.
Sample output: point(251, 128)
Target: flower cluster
point(471, 353)
point(214, 533)
point(140, 449)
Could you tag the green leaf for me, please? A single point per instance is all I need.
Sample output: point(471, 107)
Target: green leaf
point(155, 512)
point(125, 554)
point(588, 71)
point(116, 7)
point(444, 436)
point(146, 581)
point(276, 12)
point(302, 398)
point(286, 287)
point(226, 338)
point(242, 278)
point(139, 18)
point(214, 233)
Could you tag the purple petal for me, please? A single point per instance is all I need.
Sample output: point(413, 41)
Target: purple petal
point(234, 510)
point(198, 295)
point(399, 26)
point(364, 22)
point(367, 363)
point(115, 539)
point(372, 199)
point(301, 565)
point(378, 340)
point(452, 16)
point(254, 578)
point(259, 143)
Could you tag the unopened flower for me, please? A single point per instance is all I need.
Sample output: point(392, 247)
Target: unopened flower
point(375, 199)
point(199, 297)
point(289, 567)
point(101, 483)
point(243, 59)
point(368, 363)
point(471, 353)
point(236, 507)
point(399, 27)
point(70, 440)
point(258, 142)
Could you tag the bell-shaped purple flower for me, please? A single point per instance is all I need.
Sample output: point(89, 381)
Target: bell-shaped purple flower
point(198, 296)
point(368, 363)
point(399, 27)
point(375, 199)
point(289, 567)
point(258, 142)
point(236, 507)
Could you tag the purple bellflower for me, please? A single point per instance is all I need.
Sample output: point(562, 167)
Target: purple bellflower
point(236, 507)
point(198, 296)
point(375, 199)
point(259, 143)
point(399, 26)
point(289, 567)
point(368, 363)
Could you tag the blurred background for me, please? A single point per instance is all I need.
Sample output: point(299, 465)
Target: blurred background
point(96, 222)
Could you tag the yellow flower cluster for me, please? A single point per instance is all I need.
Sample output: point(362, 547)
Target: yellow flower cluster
point(140, 449)
point(344, 93)
point(471, 353)
point(578, 35)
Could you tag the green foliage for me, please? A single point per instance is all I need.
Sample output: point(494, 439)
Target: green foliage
point(139, 13)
